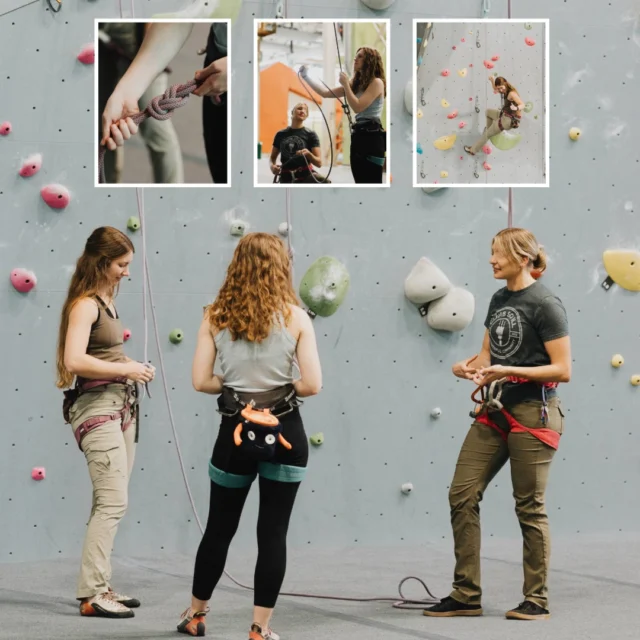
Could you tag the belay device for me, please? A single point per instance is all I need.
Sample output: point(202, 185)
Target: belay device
point(262, 430)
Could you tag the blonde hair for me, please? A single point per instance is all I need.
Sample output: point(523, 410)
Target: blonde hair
point(517, 243)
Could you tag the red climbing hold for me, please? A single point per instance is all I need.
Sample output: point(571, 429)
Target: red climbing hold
point(31, 165)
point(487, 166)
point(529, 41)
point(88, 54)
point(487, 149)
point(5, 129)
point(38, 473)
point(454, 47)
point(126, 335)
point(462, 125)
point(444, 72)
point(23, 280)
point(495, 58)
point(452, 115)
point(55, 195)
point(488, 65)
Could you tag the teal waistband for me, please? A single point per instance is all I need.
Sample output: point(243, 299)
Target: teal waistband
point(268, 470)
point(376, 160)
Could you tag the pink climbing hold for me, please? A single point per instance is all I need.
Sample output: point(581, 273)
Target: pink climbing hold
point(461, 158)
point(471, 65)
point(126, 335)
point(31, 165)
point(495, 58)
point(487, 149)
point(470, 99)
point(23, 280)
point(444, 72)
point(55, 195)
point(488, 65)
point(452, 115)
point(462, 40)
point(88, 54)
point(529, 41)
point(38, 473)
point(454, 47)
point(5, 129)
point(462, 125)
point(486, 165)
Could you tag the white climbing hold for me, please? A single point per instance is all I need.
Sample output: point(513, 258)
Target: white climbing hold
point(408, 97)
point(284, 229)
point(436, 413)
point(378, 5)
point(407, 488)
point(453, 312)
point(238, 227)
point(426, 282)
point(431, 189)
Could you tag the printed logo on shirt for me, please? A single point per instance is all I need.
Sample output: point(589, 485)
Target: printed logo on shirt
point(505, 332)
point(292, 144)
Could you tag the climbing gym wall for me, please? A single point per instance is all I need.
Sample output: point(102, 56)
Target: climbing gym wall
point(386, 371)
point(453, 93)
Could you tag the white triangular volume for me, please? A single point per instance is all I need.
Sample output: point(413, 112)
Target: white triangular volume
point(426, 282)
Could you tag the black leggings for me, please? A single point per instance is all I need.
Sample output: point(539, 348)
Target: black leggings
point(214, 127)
point(225, 508)
point(367, 143)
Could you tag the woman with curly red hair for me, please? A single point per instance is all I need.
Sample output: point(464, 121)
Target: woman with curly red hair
point(365, 94)
point(257, 332)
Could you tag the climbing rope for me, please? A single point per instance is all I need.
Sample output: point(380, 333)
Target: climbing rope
point(160, 108)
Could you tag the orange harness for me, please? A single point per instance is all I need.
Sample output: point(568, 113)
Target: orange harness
point(491, 402)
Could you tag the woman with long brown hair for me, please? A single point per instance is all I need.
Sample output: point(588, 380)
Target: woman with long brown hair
point(101, 406)
point(503, 119)
point(365, 94)
point(258, 333)
point(525, 355)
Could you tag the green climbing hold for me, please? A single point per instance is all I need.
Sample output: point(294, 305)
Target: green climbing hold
point(528, 107)
point(133, 223)
point(505, 140)
point(317, 439)
point(324, 286)
point(176, 336)
point(528, 26)
point(535, 117)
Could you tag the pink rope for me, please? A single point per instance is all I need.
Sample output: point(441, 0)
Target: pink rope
point(160, 108)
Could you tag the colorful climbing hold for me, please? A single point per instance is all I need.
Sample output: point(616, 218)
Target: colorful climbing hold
point(617, 361)
point(495, 58)
point(635, 380)
point(462, 73)
point(452, 115)
point(126, 334)
point(419, 148)
point(530, 42)
point(133, 223)
point(487, 149)
point(23, 280)
point(445, 72)
point(575, 133)
point(317, 439)
point(444, 103)
point(87, 55)
point(454, 47)
point(486, 166)
point(462, 124)
point(31, 165)
point(444, 174)
point(5, 129)
point(528, 26)
point(471, 65)
point(623, 267)
point(324, 286)
point(55, 195)
point(445, 142)
point(506, 140)
point(488, 64)
point(176, 336)
point(462, 40)
point(38, 473)
point(419, 113)
point(470, 99)
point(528, 107)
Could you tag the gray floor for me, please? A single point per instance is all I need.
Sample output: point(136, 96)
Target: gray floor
point(594, 588)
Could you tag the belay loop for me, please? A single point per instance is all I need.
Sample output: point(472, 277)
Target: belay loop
point(262, 432)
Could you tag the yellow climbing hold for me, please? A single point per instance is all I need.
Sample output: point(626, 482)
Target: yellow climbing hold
point(462, 73)
point(444, 174)
point(623, 267)
point(419, 114)
point(617, 361)
point(574, 133)
point(635, 380)
point(505, 140)
point(445, 142)
point(445, 104)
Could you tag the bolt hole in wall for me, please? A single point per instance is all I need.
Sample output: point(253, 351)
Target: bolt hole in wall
point(480, 103)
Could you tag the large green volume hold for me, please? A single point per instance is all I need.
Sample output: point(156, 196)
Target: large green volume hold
point(324, 286)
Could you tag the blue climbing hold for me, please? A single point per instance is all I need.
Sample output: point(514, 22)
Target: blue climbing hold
point(419, 40)
point(419, 149)
point(419, 60)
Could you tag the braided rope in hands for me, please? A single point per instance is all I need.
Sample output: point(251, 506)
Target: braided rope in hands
point(160, 108)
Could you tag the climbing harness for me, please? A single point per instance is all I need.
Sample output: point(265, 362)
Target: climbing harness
point(55, 7)
point(490, 403)
point(304, 173)
point(161, 108)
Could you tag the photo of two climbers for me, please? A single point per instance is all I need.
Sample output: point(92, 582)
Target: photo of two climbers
point(152, 127)
point(321, 103)
point(473, 128)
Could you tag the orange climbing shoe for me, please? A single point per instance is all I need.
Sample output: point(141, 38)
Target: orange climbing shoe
point(104, 606)
point(192, 623)
point(257, 633)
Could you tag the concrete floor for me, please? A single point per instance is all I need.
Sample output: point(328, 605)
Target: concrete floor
point(594, 587)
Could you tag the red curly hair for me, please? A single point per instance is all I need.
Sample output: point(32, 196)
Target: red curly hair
point(257, 288)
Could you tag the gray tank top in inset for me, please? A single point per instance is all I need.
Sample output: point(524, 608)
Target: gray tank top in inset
point(256, 366)
point(373, 111)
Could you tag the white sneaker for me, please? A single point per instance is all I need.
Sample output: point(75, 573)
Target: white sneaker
point(104, 606)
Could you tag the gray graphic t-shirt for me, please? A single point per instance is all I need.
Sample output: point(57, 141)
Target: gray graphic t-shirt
point(520, 322)
point(290, 140)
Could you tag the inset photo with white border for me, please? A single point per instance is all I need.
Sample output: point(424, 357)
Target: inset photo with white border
point(321, 103)
point(162, 89)
point(480, 103)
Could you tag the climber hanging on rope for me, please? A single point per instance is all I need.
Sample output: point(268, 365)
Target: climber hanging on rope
point(503, 119)
point(365, 94)
point(160, 45)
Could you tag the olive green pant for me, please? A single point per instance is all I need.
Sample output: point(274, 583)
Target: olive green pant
point(109, 453)
point(483, 454)
point(492, 128)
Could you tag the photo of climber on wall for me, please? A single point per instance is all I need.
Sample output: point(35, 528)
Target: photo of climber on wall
point(480, 103)
point(303, 140)
point(150, 76)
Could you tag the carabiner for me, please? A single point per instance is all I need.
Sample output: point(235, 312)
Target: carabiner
point(58, 3)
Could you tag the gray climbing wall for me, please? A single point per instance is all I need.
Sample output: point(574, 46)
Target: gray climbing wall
point(463, 49)
point(384, 370)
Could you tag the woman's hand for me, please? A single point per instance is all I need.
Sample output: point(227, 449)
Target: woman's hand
point(275, 169)
point(214, 80)
point(117, 126)
point(344, 79)
point(487, 375)
point(463, 370)
point(139, 372)
point(303, 152)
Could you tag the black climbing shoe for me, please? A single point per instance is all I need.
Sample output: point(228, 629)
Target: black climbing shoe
point(528, 610)
point(449, 607)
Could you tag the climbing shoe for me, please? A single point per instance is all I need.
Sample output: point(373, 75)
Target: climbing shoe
point(104, 606)
point(449, 607)
point(192, 623)
point(127, 601)
point(257, 633)
point(528, 610)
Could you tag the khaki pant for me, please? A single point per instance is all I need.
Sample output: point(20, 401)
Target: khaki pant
point(483, 454)
point(109, 453)
point(492, 128)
